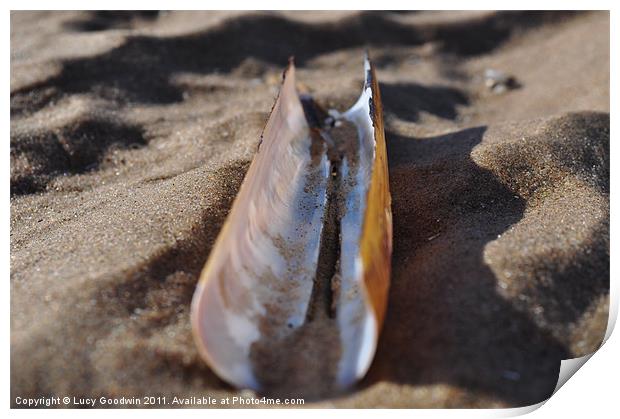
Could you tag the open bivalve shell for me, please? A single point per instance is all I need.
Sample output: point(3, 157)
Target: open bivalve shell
point(294, 293)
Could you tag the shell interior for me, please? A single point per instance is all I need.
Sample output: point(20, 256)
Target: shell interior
point(284, 304)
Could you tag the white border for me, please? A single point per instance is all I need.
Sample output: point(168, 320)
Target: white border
point(592, 393)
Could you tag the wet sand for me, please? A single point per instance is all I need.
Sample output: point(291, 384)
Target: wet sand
point(131, 134)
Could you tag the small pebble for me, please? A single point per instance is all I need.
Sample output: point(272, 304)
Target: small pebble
point(499, 82)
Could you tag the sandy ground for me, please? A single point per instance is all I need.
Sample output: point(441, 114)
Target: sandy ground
point(131, 133)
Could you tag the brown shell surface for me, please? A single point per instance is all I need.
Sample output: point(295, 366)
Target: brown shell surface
point(376, 241)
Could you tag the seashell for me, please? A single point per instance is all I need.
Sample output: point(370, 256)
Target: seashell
point(293, 295)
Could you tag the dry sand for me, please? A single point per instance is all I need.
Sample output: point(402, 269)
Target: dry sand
point(131, 133)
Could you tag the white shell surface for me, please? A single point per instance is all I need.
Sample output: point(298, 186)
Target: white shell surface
point(267, 253)
point(357, 324)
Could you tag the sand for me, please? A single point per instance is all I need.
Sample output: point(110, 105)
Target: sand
point(131, 133)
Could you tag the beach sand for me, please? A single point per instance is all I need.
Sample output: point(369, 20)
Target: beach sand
point(131, 134)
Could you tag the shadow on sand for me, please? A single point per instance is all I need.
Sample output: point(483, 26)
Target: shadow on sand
point(446, 323)
point(141, 69)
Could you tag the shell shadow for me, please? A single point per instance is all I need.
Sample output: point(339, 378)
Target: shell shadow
point(407, 100)
point(446, 323)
